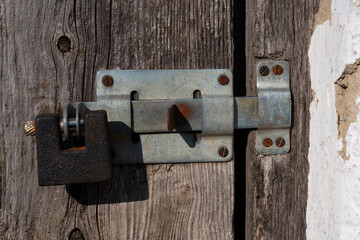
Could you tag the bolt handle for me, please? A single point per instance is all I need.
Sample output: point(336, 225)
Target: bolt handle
point(29, 128)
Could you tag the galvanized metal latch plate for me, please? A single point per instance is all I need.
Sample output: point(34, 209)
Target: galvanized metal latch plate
point(274, 109)
point(159, 90)
point(270, 112)
point(186, 115)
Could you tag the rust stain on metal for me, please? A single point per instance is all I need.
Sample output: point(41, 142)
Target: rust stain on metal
point(177, 114)
point(184, 110)
point(75, 149)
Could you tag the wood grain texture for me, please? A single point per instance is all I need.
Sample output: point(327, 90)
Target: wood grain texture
point(180, 201)
point(277, 185)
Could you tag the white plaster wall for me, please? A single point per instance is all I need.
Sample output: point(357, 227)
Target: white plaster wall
point(333, 209)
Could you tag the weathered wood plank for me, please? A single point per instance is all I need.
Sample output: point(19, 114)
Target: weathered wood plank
point(180, 201)
point(277, 185)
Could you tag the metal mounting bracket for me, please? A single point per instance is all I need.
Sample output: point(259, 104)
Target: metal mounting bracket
point(173, 116)
point(157, 92)
point(270, 112)
point(212, 116)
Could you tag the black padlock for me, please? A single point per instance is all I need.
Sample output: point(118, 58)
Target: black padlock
point(90, 163)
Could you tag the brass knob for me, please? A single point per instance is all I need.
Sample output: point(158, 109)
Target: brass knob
point(30, 128)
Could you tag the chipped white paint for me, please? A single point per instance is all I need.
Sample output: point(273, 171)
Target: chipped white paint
point(333, 210)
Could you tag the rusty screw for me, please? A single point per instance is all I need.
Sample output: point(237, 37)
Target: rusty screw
point(280, 142)
point(277, 70)
point(224, 80)
point(267, 142)
point(223, 152)
point(107, 80)
point(264, 71)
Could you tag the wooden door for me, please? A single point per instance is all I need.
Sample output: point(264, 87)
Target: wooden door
point(50, 54)
point(276, 186)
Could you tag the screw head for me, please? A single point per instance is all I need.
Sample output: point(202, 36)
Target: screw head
point(277, 70)
point(29, 128)
point(267, 142)
point(107, 80)
point(264, 71)
point(280, 142)
point(223, 152)
point(223, 80)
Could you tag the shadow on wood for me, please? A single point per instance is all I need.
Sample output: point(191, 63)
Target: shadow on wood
point(135, 188)
point(129, 182)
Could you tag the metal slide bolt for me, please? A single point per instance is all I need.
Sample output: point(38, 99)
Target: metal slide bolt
point(30, 130)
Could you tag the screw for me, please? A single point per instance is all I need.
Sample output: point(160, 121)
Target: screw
point(223, 152)
point(107, 80)
point(264, 70)
point(64, 44)
point(267, 142)
point(280, 142)
point(224, 80)
point(277, 70)
point(30, 128)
